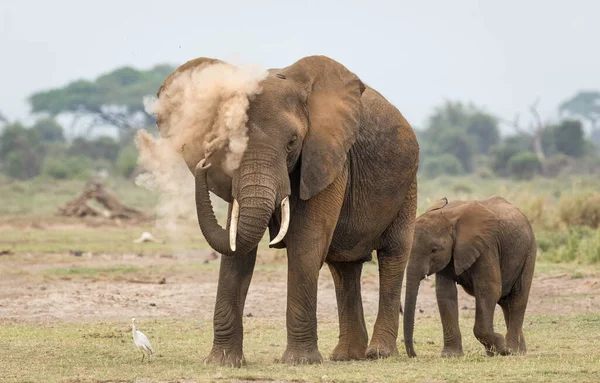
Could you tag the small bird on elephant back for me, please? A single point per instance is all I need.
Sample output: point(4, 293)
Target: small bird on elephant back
point(323, 162)
point(489, 248)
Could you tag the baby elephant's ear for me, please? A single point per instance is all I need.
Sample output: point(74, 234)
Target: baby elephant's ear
point(438, 205)
point(475, 229)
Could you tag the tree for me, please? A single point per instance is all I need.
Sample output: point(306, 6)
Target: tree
point(49, 130)
point(511, 146)
point(446, 163)
point(456, 143)
point(99, 148)
point(485, 130)
point(481, 128)
point(21, 151)
point(115, 98)
point(524, 165)
point(584, 104)
point(569, 138)
point(534, 132)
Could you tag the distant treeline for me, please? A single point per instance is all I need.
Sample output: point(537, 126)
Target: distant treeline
point(460, 139)
point(457, 139)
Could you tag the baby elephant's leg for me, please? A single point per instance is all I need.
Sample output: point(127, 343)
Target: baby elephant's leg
point(514, 308)
point(447, 299)
point(485, 304)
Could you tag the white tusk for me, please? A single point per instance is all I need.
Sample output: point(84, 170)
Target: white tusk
point(235, 214)
point(285, 221)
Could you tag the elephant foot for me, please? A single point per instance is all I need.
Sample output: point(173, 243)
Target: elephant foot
point(378, 349)
point(451, 352)
point(223, 357)
point(494, 351)
point(517, 347)
point(294, 357)
point(344, 352)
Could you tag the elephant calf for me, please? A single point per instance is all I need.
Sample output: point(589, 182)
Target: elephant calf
point(488, 247)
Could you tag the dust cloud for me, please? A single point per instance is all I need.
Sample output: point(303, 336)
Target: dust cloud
point(200, 111)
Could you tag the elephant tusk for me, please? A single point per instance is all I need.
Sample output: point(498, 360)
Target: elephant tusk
point(235, 214)
point(285, 221)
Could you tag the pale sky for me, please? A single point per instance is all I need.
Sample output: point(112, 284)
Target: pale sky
point(501, 55)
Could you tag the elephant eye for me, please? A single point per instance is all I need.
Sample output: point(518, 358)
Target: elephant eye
point(291, 143)
point(434, 249)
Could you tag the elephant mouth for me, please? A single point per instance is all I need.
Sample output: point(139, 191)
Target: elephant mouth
point(285, 223)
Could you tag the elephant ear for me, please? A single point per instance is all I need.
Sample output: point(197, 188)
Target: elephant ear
point(334, 110)
point(474, 227)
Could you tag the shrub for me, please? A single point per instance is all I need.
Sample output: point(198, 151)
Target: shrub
point(442, 164)
point(524, 165)
point(484, 173)
point(556, 164)
point(67, 167)
point(462, 188)
point(576, 244)
point(581, 209)
point(127, 160)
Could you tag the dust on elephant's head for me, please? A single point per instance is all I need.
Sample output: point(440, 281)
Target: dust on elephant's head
point(303, 117)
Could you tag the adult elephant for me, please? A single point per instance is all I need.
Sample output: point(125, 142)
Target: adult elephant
point(330, 168)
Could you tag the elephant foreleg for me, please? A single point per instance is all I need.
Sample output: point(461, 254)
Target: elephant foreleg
point(307, 241)
point(235, 274)
point(447, 300)
point(353, 337)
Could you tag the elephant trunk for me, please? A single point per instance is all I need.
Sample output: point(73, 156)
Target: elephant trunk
point(256, 195)
point(412, 289)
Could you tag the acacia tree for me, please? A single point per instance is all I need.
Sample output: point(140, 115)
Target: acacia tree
point(114, 98)
point(585, 105)
point(457, 132)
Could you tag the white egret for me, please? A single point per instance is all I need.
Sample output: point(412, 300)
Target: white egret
point(141, 341)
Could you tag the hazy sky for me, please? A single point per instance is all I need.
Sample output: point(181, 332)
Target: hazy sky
point(501, 55)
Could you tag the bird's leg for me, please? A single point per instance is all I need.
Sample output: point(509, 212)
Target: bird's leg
point(143, 355)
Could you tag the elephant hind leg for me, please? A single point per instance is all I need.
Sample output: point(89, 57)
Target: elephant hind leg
point(514, 307)
point(514, 314)
point(392, 258)
point(353, 337)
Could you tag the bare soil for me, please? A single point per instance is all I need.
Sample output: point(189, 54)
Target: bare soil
point(27, 293)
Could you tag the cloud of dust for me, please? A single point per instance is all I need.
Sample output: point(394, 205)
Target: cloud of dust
point(201, 111)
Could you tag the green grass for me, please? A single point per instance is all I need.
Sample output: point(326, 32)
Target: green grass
point(561, 349)
point(106, 239)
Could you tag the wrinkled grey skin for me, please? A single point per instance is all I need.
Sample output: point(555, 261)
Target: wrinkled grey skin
point(347, 159)
point(488, 247)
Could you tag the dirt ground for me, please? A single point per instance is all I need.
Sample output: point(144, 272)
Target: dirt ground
point(27, 295)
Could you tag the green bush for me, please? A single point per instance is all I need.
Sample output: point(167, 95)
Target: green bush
point(127, 160)
point(576, 244)
point(501, 154)
point(21, 164)
point(524, 165)
point(555, 165)
point(582, 209)
point(435, 166)
point(484, 173)
point(67, 167)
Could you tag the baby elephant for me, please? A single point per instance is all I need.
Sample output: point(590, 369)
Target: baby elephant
point(486, 246)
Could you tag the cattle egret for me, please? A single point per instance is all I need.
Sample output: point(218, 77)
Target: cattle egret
point(141, 341)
